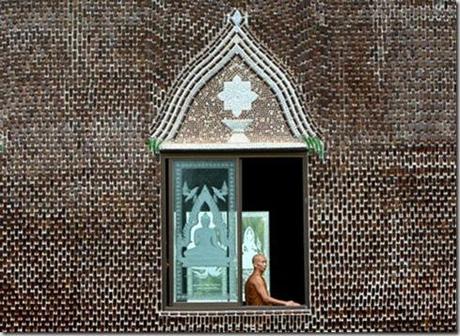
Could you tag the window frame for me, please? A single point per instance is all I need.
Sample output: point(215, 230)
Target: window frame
point(166, 199)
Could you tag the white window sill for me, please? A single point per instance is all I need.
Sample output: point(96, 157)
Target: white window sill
point(166, 147)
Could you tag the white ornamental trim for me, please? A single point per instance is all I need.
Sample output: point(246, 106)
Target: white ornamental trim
point(233, 41)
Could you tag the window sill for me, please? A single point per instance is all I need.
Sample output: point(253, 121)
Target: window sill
point(247, 310)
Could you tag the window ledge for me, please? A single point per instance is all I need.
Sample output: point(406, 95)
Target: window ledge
point(170, 146)
point(264, 310)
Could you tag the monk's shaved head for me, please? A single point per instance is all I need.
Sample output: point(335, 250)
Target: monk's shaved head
point(257, 257)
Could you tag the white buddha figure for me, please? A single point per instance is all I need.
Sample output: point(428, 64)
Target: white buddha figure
point(250, 247)
point(207, 251)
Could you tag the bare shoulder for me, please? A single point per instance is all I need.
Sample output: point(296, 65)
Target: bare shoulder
point(255, 280)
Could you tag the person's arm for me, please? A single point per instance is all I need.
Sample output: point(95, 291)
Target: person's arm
point(266, 298)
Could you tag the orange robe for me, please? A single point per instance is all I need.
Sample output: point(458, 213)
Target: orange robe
point(252, 296)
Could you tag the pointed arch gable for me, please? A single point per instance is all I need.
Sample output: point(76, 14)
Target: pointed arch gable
point(235, 40)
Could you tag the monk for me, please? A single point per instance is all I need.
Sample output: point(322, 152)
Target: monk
point(256, 289)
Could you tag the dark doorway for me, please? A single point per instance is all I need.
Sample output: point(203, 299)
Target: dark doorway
point(276, 185)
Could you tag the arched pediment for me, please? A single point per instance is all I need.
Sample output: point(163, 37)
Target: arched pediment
point(234, 42)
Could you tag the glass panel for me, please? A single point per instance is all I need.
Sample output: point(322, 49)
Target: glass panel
point(256, 239)
point(205, 263)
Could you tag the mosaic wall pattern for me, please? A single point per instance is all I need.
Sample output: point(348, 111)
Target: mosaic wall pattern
point(80, 193)
point(207, 111)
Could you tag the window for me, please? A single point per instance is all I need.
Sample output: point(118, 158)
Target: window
point(221, 211)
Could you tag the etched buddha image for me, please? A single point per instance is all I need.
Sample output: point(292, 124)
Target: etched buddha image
point(251, 246)
point(206, 243)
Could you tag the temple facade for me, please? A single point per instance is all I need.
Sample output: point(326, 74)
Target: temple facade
point(149, 149)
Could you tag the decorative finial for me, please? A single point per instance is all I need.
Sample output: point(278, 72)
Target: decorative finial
point(237, 18)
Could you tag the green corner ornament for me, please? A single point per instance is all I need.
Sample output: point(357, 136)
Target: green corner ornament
point(314, 144)
point(154, 145)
